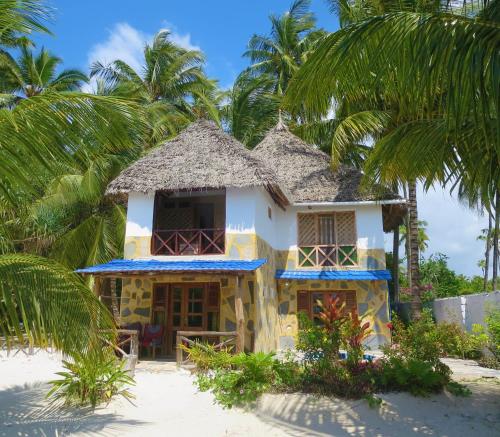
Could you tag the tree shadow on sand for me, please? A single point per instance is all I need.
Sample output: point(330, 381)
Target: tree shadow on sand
point(24, 411)
point(400, 414)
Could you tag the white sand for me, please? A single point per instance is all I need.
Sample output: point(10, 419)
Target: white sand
point(167, 404)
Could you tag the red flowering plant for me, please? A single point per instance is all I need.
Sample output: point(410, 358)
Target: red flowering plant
point(333, 318)
point(356, 330)
point(323, 339)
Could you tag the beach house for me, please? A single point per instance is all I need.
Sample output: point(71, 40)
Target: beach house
point(220, 238)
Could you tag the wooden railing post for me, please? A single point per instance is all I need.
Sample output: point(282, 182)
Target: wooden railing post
point(134, 351)
point(240, 315)
point(178, 349)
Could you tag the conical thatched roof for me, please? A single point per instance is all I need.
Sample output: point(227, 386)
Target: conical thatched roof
point(200, 157)
point(305, 171)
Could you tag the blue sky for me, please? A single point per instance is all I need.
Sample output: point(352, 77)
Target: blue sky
point(108, 29)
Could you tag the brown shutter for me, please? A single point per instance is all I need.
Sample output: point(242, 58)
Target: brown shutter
point(303, 301)
point(307, 229)
point(346, 228)
point(213, 297)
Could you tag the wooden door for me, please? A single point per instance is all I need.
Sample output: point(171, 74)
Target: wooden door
point(193, 307)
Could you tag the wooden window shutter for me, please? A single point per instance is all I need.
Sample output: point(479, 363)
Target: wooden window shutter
point(347, 297)
point(303, 301)
point(346, 228)
point(307, 229)
point(213, 297)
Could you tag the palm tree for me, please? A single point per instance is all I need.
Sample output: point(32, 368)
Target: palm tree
point(171, 79)
point(33, 74)
point(47, 302)
point(429, 123)
point(19, 18)
point(43, 137)
point(251, 108)
point(293, 37)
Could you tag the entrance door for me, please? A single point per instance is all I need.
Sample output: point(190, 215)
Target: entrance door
point(193, 307)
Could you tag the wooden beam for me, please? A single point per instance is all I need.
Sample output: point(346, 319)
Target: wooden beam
point(114, 300)
point(240, 315)
point(97, 287)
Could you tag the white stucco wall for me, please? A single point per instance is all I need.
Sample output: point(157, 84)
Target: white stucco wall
point(240, 210)
point(247, 212)
point(140, 215)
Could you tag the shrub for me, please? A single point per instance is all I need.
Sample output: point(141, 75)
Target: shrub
point(241, 379)
point(91, 379)
point(493, 323)
point(415, 375)
point(325, 339)
point(355, 332)
point(456, 342)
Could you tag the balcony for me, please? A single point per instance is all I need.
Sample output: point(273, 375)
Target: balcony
point(328, 255)
point(189, 224)
point(188, 242)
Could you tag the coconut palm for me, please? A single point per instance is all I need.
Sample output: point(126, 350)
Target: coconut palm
point(430, 109)
point(43, 138)
point(251, 108)
point(47, 302)
point(19, 18)
point(292, 38)
point(32, 74)
point(170, 80)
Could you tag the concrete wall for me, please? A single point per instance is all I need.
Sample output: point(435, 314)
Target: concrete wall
point(465, 310)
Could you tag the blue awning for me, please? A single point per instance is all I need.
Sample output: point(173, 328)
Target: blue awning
point(152, 265)
point(335, 275)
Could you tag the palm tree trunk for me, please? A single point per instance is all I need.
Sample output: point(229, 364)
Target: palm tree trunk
point(487, 253)
point(412, 234)
point(495, 241)
point(407, 248)
point(395, 263)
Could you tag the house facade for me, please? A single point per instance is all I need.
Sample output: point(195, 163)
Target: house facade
point(220, 238)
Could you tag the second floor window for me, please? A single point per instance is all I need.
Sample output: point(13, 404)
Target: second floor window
point(327, 239)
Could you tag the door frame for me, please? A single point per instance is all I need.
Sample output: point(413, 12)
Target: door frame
point(208, 306)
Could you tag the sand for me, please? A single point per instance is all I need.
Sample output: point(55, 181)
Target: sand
point(168, 404)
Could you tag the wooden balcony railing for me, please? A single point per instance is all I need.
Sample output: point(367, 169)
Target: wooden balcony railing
point(188, 242)
point(226, 340)
point(331, 255)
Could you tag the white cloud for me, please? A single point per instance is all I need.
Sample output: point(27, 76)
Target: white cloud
point(124, 42)
point(452, 229)
point(127, 43)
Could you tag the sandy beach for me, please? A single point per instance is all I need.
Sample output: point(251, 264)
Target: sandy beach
point(168, 404)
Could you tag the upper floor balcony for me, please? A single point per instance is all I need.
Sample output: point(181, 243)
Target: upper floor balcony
point(327, 239)
point(189, 225)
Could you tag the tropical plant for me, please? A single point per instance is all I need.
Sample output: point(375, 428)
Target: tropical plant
point(423, 238)
point(33, 74)
point(292, 39)
point(171, 87)
point(19, 18)
point(48, 303)
point(440, 126)
point(91, 379)
point(251, 108)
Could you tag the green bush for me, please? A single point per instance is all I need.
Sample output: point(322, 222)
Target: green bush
point(91, 379)
point(493, 323)
point(241, 379)
point(415, 375)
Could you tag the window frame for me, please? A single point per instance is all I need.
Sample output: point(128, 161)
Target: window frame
point(350, 257)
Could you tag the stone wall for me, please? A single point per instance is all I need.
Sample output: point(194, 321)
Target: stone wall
point(371, 296)
point(137, 295)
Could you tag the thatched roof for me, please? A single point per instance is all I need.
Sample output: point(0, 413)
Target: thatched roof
point(200, 157)
point(305, 171)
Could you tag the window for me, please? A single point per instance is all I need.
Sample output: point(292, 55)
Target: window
point(327, 239)
point(307, 301)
